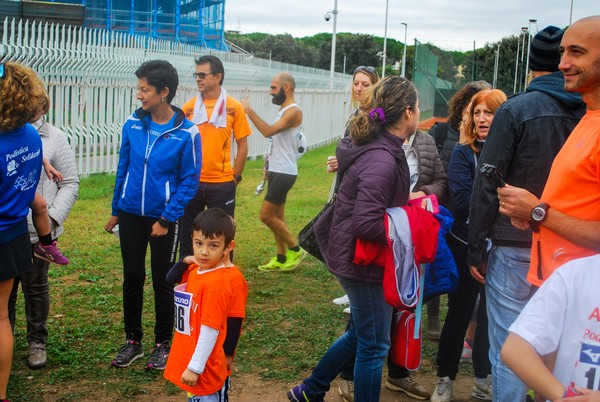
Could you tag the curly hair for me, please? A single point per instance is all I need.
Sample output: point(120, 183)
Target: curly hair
point(22, 93)
point(384, 106)
point(461, 99)
point(493, 98)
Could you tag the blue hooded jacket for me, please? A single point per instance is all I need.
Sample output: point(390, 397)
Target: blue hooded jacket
point(159, 179)
point(441, 276)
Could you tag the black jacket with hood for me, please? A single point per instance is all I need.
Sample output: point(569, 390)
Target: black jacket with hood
point(527, 132)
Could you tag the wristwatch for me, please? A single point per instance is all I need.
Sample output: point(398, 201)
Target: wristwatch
point(538, 215)
point(237, 177)
point(165, 223)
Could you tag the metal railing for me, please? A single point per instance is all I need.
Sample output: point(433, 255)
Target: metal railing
point(90, 79)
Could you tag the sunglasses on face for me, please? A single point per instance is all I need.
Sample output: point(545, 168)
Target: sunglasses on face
point(368, 69)
point(201, 75)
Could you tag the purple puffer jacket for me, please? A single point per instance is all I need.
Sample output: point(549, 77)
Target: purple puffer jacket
point(375, 177)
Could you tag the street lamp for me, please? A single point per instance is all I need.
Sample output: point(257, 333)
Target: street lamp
point(571, 13)
point(523, 30)
point(328, 15)
point(387, 3)
point(404, 53)
point(496, 61)
point(344, 70)
point(531, 21)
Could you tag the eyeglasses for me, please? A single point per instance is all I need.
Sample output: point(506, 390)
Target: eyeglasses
point(368, 69)
point(201, 75)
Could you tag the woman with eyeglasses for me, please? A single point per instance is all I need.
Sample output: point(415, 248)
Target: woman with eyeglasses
point(21, 92)
point(375, 177)
point(158, 171)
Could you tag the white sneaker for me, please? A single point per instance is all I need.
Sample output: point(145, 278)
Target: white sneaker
point(482, 388)
point(443, 390)
point(347, 310)
point(346, 390)
point(340, 301)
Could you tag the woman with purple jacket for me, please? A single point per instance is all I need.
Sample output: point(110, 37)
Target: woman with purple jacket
point(375, 177)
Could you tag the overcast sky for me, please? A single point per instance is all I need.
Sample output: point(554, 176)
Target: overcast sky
point(449, 24)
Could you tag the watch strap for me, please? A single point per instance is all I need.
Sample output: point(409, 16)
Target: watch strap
point(535, 223)
point(165, 223)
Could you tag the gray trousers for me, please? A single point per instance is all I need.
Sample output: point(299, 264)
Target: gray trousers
point(36, 292)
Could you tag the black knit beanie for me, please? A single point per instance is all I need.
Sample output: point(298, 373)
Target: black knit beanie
point(543, 54)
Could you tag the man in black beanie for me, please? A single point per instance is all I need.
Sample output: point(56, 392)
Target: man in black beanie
point(527, 132)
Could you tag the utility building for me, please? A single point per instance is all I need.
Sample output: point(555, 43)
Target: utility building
point(197, 22)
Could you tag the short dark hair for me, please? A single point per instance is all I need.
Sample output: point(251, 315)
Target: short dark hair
point(214, 222)
point(216, 65)
point(160, 74)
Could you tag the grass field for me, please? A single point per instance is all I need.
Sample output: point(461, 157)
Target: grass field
point(290, 318)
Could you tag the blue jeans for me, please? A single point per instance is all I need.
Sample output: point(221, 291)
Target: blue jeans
point(507, 292)
point(367, 337)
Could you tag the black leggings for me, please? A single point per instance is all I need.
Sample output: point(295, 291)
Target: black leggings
point(135, 236)
point(460, 309)
point(209, 195)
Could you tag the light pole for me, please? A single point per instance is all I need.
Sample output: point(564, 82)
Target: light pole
point(328, 14)
point(523, 30)
point(387, 3)
point(571, 13)
point(344, 70)
point(496, 60)
point(404, 52)
point(531, 21)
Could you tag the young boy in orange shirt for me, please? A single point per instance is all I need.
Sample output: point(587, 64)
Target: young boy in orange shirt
point(213, 233)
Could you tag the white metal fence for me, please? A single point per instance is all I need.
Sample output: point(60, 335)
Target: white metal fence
point(92, 86)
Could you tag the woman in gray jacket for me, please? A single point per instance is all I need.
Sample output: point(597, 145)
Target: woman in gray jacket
point(427, 176)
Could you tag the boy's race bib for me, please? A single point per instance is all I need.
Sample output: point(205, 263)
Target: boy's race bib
point(183, 305)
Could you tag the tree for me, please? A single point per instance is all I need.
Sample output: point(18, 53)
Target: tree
point(484, 61)
point(365, 50)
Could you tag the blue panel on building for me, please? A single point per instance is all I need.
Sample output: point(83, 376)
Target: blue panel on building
point(197, 22)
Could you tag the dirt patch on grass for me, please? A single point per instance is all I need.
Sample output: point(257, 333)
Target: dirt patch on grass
point(245, 388)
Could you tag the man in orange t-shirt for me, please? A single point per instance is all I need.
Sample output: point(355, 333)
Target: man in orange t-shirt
point(219, 118)
point(567, 217)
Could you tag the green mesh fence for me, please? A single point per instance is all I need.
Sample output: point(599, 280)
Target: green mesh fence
point(425, 77)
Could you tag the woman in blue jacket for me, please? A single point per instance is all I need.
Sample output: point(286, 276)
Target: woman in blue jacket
point(20, 167)
point(375, 177)
point(462, 168)
point(158, 173)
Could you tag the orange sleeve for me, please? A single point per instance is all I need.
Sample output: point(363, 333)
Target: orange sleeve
point(241, 127)
point(188, 108)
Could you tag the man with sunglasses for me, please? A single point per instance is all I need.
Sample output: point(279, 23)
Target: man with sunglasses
point(219, 117)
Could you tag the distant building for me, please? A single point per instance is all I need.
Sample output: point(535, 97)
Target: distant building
point(197, 22)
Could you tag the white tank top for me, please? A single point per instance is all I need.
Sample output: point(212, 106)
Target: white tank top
point(282, 158)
